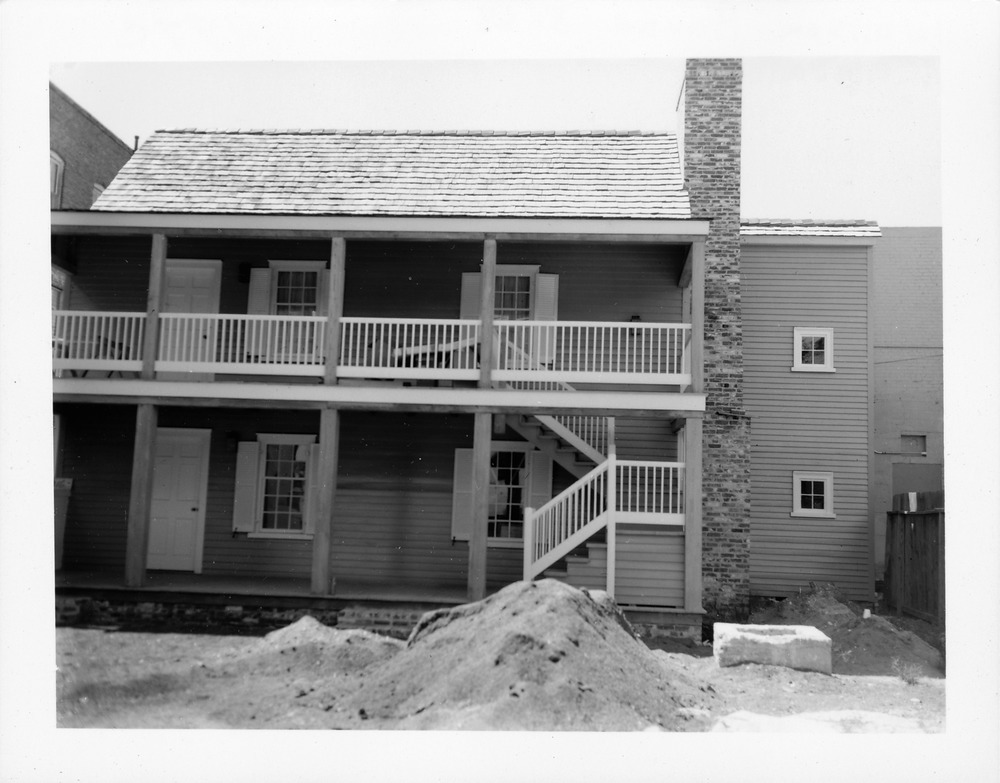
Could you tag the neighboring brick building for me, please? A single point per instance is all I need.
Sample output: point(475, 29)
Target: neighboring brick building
point(86, 156)
point(909, 371)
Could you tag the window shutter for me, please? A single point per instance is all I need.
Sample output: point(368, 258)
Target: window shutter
point(323, 295)
point(245, 498)
point(463, 497)
point(470, 295)
point(546, 309)
point(313, 486)
point(540, 478)
point(259, 298)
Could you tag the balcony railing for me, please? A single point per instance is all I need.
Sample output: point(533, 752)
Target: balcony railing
point(82, 342)
point(529, 355)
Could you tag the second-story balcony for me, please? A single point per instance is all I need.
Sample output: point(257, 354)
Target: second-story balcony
point(523, 354)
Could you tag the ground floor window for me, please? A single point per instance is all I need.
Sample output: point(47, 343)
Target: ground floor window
point(508, 488)
point(273, 485)
point(812, 494)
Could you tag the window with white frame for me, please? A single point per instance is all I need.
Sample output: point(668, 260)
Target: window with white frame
point(812, 494)
point(273, 486)
point(508, 489)
point(56, 168)
point(296, 287)
point(813, 350)
point(519, 477)
point(512, 293)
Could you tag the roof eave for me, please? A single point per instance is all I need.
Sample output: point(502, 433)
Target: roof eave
point(176, 224)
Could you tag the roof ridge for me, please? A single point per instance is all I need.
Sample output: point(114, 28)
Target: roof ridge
point(372, 132)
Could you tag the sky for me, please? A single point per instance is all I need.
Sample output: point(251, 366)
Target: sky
point(823, 137)
point(872, 109)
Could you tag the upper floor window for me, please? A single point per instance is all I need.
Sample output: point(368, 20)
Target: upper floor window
point(813, 350)
point(56, 168)
point(288, 288)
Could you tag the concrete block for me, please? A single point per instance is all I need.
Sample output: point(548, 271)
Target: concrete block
point(799, 647)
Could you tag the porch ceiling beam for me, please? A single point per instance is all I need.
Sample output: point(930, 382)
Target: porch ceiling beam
point(428, 399)
point(431, 228)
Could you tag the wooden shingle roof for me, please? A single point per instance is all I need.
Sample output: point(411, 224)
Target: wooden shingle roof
point(414, 173)
point(809, 228)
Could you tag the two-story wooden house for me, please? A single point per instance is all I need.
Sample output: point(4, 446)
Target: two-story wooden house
point(379, 364)
point(417, 366)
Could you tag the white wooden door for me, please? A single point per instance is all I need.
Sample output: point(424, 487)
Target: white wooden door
point(193, 286)
point(180, 484)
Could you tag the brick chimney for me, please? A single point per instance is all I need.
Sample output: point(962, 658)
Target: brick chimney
point(712, 114)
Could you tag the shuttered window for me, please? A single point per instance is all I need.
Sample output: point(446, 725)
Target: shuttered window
point(519, 478)
point(275, 486)
point(288, 288)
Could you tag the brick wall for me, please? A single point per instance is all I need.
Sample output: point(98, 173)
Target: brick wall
point(712, 130)
point(90, 152)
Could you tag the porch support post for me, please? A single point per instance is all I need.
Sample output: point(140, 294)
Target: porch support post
point(698, 316)
point(323, 495)
point(140, 501)
point(692, 515)
point(488, 286)
point(693, 437)
point(335, 307)
point(480, 505)
point(154, 305)
point(612, 523)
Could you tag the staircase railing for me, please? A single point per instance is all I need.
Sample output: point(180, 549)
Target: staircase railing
point(642, 492)
point(590, 435)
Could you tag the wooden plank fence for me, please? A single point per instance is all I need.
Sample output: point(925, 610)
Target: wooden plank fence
point(914, 556)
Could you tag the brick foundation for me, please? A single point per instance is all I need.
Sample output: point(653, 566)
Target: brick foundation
point(712, 133)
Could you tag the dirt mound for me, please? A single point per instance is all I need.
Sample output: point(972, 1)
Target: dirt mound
point(536, 655)
point(867, 646)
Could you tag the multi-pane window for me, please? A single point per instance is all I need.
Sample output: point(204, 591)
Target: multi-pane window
point(812, 494)
point(284, 465)
point(296, 292)
point(512, 298)
point(508, 489)
point(813, 350)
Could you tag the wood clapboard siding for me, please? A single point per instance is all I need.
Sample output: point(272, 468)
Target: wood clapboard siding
point(224, 553)
point(645, 438)
point(649, 568)
point(607, 282)
point(807, 421)
point(111, 274)
point(97, 454)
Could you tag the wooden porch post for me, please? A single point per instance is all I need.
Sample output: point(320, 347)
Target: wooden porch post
point(488, 281)
point(141, 495)
point(692, 515)
point(335, 307)
point(154, 304)
point(480, 505)
point(612, 525)
point(693, 438)
point(698, 316)
point(322, 545)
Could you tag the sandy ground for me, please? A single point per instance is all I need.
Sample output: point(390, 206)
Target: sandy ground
point(536, 656)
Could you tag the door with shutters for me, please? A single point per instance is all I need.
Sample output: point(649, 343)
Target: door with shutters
point(180, 486)
point(190, 286)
